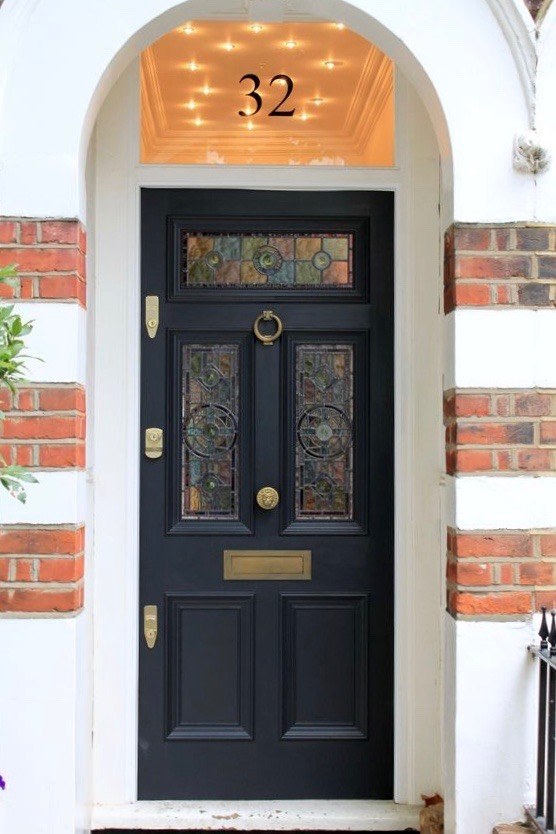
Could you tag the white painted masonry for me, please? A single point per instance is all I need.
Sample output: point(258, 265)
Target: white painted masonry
point(58, 498)
point(505, 501)
point(474, 115)
point(501, 348)
point(58, 339)
point(494, 734)
point(39, 700)
point(479, 686)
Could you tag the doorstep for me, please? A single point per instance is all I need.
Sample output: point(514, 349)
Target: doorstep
point(268, 815)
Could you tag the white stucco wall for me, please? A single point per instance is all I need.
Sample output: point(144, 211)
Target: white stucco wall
point(434, 43)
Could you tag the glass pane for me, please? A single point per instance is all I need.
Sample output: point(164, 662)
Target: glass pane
point(275, 261)
point(324, 432)
point(210, 412)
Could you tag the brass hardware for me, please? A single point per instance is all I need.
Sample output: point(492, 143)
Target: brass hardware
point(268, 315)
point(151, 314)
point(154, 442)
point(267, 564)
point(150, 624)
point(268, 498)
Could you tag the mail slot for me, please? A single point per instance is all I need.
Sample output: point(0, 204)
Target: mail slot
point(267, 564)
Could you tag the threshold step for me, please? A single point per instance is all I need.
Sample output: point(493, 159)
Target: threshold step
point(157, 817)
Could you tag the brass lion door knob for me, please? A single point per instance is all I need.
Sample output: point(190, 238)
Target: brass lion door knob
point(268, 498)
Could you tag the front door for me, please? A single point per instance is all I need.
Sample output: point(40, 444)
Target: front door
point(267, 499)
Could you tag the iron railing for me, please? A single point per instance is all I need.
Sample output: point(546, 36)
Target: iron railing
point(541, 815)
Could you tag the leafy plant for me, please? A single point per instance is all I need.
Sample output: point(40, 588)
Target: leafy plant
point(12, 366)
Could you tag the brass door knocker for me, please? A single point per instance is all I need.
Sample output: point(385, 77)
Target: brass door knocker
point(268, 315)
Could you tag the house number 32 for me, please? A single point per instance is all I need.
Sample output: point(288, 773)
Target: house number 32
point(257, 98)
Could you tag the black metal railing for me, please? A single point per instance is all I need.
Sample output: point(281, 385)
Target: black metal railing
point(542, 814)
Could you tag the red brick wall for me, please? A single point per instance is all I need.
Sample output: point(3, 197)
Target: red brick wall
point(500, 266)
point(501, 572)
point(500, 432)
point(41, 567)
point(50, 255)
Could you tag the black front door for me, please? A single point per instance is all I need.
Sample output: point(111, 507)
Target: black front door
point(267, 521)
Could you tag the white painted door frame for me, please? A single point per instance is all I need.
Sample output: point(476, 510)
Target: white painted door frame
point(115, 180)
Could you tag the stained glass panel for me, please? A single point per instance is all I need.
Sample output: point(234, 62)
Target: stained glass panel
point(324, 432)
point(210, 414)
point(266, 260)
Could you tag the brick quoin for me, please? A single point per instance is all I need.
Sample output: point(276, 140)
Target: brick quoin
point(500, 573)
point(512, 265)
point(50, 259)
point(500, 431)
point(41, 569)
point(44, 426)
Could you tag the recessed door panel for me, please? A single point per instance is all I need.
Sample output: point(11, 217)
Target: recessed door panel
point(320, 633)
point(210, 667)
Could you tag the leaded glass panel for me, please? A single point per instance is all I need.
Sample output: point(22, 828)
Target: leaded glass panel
point(210, 414)
point(324, 432)
point(281, 260)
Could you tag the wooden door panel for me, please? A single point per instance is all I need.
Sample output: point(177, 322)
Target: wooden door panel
point(260, 688)
point(209, 666)
point(321, 632)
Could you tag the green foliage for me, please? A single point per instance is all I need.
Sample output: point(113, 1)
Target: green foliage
point(12, 366)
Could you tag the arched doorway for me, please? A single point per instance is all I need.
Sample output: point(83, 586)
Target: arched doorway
point(417, 223)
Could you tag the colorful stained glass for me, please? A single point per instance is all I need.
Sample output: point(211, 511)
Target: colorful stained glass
point(324, 432)
point(278, 260)
point(210, 413)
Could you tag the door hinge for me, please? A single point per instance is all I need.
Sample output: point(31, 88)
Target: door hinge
point(151, 314)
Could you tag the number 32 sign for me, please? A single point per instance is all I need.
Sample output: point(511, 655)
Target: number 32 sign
point(257, 98)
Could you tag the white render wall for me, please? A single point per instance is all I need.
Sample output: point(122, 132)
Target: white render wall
point(434, 43)
point(39, 702)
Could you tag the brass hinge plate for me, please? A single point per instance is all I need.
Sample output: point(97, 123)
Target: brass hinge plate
point(152, 314)
point(154, 442)
point(150, 625)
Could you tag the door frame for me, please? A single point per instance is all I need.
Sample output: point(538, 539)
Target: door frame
point(114, 212)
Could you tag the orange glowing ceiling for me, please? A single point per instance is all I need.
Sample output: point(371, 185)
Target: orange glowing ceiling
point(191, 95)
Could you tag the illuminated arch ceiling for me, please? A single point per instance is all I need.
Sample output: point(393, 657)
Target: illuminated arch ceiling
point(343, 95)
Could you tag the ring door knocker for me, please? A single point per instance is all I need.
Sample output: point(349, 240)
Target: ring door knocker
point(268, 315)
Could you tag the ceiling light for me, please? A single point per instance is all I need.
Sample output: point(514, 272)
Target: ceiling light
point(228, 46)
point(317, 100)
point(207, 90)
point(191, 104)
point(340, 25)
point(198, 122)
point(304, 116)
point(329, 64)
point(291, 44)
point(250, 125)
point(256, 27)
point(188, 29)
point(192, 66)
